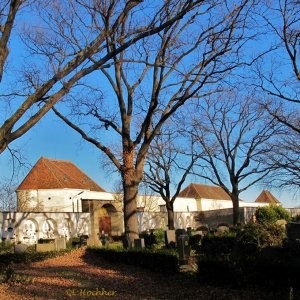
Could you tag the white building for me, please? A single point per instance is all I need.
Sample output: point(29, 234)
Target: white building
point(57, 199)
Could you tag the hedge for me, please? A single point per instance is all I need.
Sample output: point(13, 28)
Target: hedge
point(155, 260)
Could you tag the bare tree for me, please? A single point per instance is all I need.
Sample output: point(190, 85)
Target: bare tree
point(8, 12)
point(7, 196)
point(154, 79)
point(280, 79)
point(67, 41)
point(234, 134)
point(284, 160)
point(169, 162)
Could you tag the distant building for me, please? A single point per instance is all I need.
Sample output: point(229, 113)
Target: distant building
point(207, 197)
point(267, 197)
point(57, 199)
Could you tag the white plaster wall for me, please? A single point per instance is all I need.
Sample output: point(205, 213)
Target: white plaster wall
point(150, 203)
point(253, 204)
point(212, 204)
point(52, 200)
point(29, 227)
point(61, 200)
point(90, 195)
point(186, 205)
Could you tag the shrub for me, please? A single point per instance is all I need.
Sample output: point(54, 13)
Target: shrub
point(153, 239)
point(254, 236)
point(28, 256)
point(272, 267)
point(219, 271)
point(271, 214)
point(163, 261)
point(159, 235)
point(218, 244)
point(6, 247)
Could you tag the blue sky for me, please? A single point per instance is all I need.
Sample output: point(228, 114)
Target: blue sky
point(51, 138)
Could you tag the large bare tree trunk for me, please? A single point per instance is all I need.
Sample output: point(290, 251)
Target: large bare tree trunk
point(236, 209)
point(130, 217)
point(170, 211)
point(130, 187)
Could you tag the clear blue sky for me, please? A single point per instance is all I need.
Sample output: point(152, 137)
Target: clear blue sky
point(53, 139)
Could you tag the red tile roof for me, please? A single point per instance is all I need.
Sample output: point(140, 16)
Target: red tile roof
point(199, 191)
point(267, 197)
point(57, 174)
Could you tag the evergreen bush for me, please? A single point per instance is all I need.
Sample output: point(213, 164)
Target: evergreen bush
point(162, 261)
point(255, 236)
point(271, 214)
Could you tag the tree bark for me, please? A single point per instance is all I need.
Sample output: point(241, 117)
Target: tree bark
point(170, 211)
point(236, 208)
point(130, 216)
point(130, 187)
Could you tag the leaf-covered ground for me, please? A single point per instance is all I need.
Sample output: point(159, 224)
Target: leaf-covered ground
point(77, 275)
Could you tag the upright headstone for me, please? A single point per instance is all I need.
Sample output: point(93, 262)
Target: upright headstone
point(93, 242)
point(20, 248)
point(139, 243)
point(293, 231)
point(45, 247)
point(60, 243)
point(170, 238)
point(184, 249)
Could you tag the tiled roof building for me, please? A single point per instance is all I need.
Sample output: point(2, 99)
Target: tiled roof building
point(57, 174)
point(203, 191)
point(267, 197)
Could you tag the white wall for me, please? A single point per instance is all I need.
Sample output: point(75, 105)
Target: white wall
point(186, 205)
point(212, 204)
point(69, 200)
point(59, 200)
point(253, 204)
point(29, 227)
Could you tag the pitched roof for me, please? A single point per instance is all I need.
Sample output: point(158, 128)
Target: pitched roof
point(267, 197)
point(57, 174)
point(199, 191)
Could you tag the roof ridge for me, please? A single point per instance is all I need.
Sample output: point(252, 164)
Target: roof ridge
point(56, 159)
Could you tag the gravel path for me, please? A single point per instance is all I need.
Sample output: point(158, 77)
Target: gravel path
point(79, 276)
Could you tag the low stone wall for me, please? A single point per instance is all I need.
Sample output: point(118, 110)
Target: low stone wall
point(213, 218)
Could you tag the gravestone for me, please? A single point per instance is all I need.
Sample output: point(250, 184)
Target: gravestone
point(93, 242)
point(222, 229)
point(139, 243)
point(45, 247)
point(170, 238)
point(184, 249)
point(179, 232)
point(293, 231)
point(60, 244)
point(83, 240)
point(20, 248)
